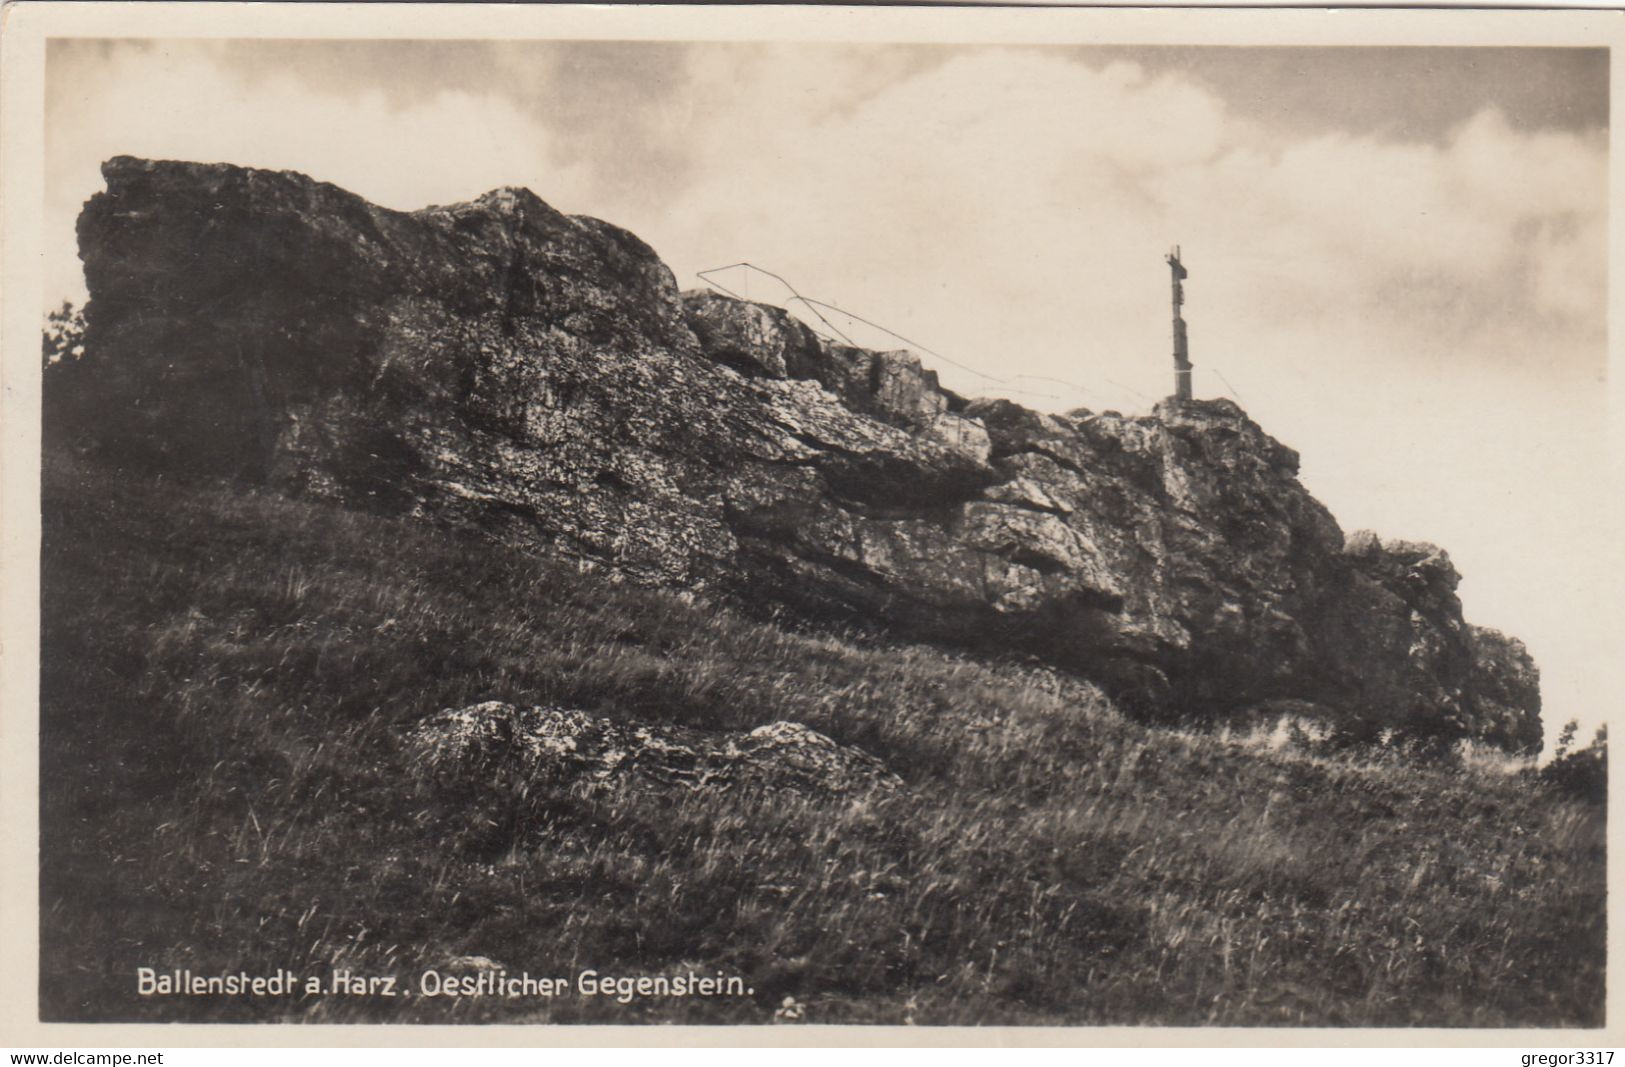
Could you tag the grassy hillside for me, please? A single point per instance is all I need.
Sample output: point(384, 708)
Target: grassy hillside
point(227, 679)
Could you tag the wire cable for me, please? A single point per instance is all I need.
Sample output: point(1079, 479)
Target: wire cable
point(813, 305)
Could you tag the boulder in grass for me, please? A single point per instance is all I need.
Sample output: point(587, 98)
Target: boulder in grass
point(495, 739)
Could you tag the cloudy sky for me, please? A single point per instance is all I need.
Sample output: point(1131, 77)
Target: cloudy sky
point(1397, 255)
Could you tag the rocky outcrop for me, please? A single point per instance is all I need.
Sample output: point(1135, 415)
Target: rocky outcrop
point(498, 741)
point(539, 377)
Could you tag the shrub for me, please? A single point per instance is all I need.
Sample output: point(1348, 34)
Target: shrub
point(1582, 774)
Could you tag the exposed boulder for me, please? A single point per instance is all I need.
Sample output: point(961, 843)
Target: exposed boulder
point(494, 739)
point(539, 377)
point(754, 339)
point(759, 339)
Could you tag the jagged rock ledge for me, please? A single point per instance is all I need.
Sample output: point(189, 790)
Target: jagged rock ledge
point(539, 377)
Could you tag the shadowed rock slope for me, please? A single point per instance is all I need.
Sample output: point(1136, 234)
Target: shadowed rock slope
point(498, 364)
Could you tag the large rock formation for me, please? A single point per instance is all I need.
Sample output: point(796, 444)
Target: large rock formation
point(538, 376)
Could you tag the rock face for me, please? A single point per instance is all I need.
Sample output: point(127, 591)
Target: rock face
point(538, 376)
point(565, 746)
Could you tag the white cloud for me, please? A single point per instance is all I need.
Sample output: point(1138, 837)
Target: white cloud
point(181, 104)
point(1008, 201)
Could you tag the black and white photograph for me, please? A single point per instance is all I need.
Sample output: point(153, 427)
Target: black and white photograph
point(1077, 519)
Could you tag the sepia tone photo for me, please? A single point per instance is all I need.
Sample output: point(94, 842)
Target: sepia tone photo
point(791, 531)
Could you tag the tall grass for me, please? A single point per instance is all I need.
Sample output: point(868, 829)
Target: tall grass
point(227, 678)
